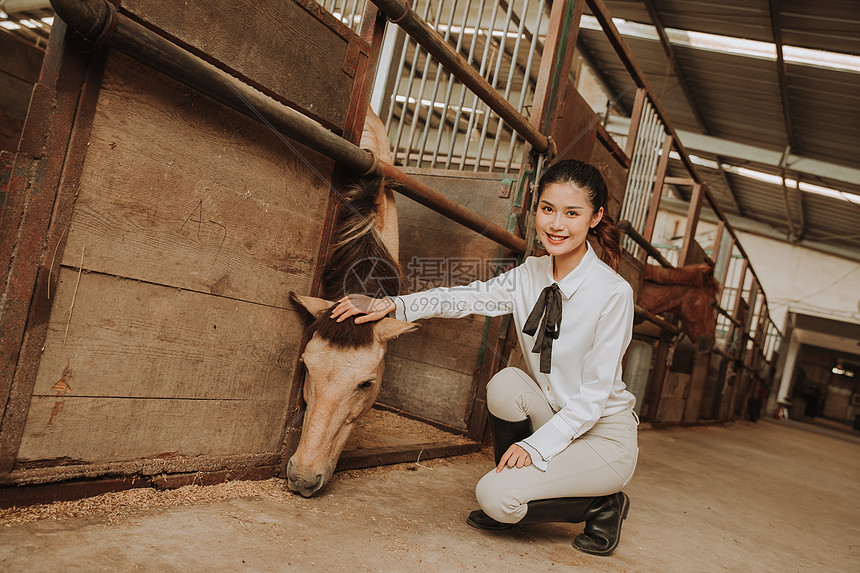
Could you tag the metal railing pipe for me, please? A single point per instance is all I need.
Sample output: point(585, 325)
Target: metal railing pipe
point(431, 198)
point(625, 227)
point(400, 13)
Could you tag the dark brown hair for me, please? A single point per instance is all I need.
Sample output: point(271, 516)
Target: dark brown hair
point(588, 178)
point(359, 262)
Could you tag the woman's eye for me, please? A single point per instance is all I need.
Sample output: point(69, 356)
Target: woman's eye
point(572, 213)
point(365, 385)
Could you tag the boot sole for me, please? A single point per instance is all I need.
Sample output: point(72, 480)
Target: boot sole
point(624, 509)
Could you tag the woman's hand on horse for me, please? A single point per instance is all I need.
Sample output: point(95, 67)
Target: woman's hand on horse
point(514, 457)
point(369, 308)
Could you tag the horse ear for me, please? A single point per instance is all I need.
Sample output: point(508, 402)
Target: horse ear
point(390, 328)
point(315, 306)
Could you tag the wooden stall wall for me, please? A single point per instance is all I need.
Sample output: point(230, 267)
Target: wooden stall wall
point(161, 327)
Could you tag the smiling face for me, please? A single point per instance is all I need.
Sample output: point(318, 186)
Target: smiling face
point(564, 216)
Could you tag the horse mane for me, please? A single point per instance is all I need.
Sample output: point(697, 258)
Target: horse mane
point(701, 275)
point(359, 262)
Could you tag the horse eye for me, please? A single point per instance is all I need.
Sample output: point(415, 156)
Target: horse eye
point(365, 385)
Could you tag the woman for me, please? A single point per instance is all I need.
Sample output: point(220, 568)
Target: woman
point(564, 434)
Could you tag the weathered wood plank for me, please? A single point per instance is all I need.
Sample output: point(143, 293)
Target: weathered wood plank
point(21, 59)
point(615, 176)
point(574, 126)
point(91, 430)
point(673, 398)
point(447, 343)
point(429, 390)
point(132, 339)
point(178, 190)
point(276, 46)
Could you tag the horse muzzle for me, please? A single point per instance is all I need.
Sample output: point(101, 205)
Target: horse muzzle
point(304, 483)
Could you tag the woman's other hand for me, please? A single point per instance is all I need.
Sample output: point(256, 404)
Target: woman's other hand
point(514, 457)
point(370, 308)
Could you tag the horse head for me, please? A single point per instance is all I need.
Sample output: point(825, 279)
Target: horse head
point(344, 365)
point(691, 292)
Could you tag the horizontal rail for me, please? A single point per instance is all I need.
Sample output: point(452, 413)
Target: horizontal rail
point(628, 229)
point(640, 312)
point(99, 21)
point(399, 12)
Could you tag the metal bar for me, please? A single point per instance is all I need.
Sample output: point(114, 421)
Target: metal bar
point(473, 117)
point(409, 86)
point(533, 48)
point(432, 42)
point(625, 226)
point(449, 90)
point(431, 198)
point(498, 69)
point(420, 99)
point(432, 110)
point(456, 127)
point(651, 152)
point(508, 85)
point(776, 29)
point(655, 319)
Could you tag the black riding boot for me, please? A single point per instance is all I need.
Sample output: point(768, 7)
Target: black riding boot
point(602, 517)
point(603, 524)
point(504, 434)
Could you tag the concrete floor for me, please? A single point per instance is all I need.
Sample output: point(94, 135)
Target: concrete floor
point(771, 496)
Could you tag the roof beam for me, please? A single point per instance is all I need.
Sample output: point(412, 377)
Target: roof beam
point(790, 194)
point(688, 95)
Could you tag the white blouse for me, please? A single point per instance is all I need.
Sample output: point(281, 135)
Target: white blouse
point(596, 327)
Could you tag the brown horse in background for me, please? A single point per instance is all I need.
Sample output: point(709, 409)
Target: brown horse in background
point(690, 292)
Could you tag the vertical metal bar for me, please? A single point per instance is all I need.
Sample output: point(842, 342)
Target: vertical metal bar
point(456, 127)
point(498, 69)
point(651, 167)
point(514, 57)
point(635, 122)
point(450, 88)
point(430, 112)
point(352, 12)
point(533, 48)
point(631, 196)
point(419, 101)
point(484, 65)
point(410, 81)
point(396, 88)
point(646, 175)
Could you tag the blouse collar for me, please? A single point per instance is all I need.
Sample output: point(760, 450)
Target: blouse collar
point(570, 283)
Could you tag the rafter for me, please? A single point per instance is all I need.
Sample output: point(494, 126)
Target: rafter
point(792, 195)
point(688, 94)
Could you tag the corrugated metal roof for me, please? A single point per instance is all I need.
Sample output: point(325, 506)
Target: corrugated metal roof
point(739, 98)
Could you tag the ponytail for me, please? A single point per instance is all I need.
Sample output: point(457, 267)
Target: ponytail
point(608, 237)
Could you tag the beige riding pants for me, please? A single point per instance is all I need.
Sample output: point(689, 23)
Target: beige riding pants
point(601, 462)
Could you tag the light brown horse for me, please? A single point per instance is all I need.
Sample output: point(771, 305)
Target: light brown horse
point(690, 292)
point(344, 361)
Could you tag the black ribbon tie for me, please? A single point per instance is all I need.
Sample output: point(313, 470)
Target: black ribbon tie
point(547, 314)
